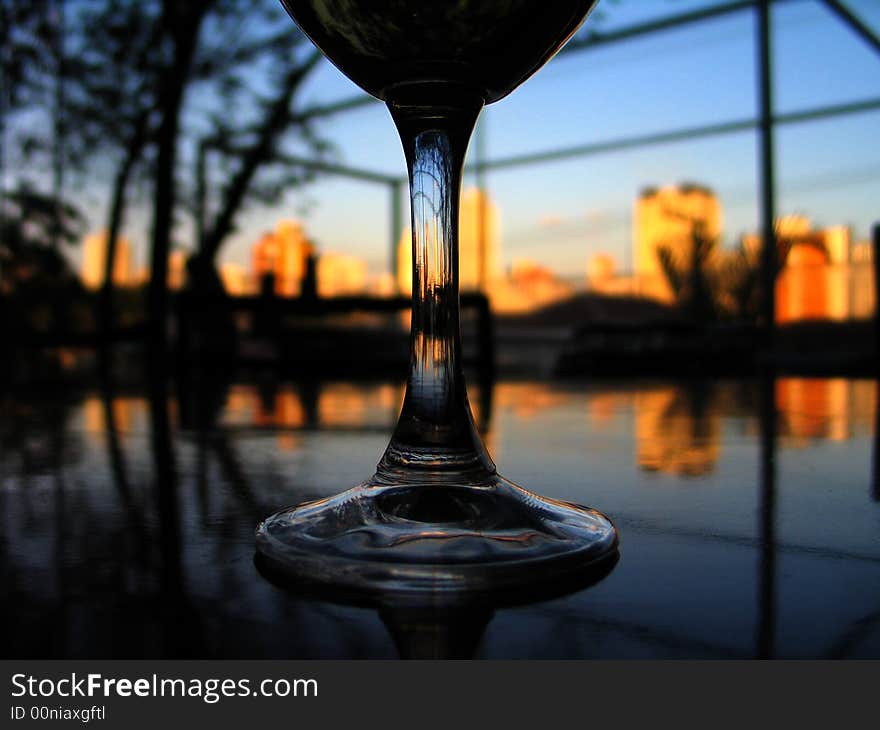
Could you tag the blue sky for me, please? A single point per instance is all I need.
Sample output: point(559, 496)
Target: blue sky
point(560, 213)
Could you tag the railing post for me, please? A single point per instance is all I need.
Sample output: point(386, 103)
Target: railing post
point(875, 259)
point(767, 184)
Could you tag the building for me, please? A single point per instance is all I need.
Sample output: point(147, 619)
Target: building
point(479, 245)
point(529, 286)
point(604, 278)
point(862, 252)
point(177, 269)
point(824, 275)
point(479, 239)
point(383, 285)
point(94, 259)
point(341, 275)
point(670, 217)
point(282, 253)
point(234, 279)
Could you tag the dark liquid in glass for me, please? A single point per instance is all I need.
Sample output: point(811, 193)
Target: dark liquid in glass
point(491, 46)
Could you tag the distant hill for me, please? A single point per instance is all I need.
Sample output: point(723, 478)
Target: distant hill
point(583, 309)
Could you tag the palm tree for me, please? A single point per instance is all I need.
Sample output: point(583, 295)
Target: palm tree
point(693, 277)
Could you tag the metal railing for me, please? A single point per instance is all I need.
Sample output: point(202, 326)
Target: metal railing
point(764, 124)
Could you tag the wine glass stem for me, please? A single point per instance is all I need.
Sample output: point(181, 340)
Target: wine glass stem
point(435, 437)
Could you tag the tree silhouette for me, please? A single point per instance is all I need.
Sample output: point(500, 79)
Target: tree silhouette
point(36, 282)
point(28, 235)
point(709, 284)
point(742, 277)
point(693, 278)
point(36, 223)
point(261, 149)
point(145, 85)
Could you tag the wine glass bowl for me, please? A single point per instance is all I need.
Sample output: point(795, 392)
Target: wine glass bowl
point(489, 45)
point(436, 519)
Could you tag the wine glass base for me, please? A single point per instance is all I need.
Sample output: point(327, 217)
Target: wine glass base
point(438, 540)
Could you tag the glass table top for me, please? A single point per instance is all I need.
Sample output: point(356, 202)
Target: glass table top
point(741, 536)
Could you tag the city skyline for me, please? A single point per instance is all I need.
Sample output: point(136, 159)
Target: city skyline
point(827, 273)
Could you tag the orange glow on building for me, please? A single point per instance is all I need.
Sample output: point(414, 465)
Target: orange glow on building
point(234, 279)
point(177, 269)
point(825, 275)
point(283, 253)
point(604, 278)
point(669, 217)
point(802, 290)
point(529, 286)
point(94, 258)
point(340, 275)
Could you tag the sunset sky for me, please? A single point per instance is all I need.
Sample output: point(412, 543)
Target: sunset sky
point(560, 213)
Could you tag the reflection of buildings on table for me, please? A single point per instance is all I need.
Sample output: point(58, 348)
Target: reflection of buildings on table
point(678, 427)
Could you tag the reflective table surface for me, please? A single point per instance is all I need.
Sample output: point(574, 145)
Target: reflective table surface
point(748, 511)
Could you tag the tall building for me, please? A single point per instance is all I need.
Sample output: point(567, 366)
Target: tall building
point(94, 257)
point(479, 238)
point(404, 262)
point(479, 244)
point(282, 253)
point(670, 217)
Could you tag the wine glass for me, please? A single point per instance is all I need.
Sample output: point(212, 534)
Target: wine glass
point(436, 520)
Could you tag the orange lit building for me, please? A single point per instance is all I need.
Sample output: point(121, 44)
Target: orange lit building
point(177, 269)
point(821, 278)
point(282, 253)
point(529, 286)
point(669, 217)
point(479, 235)
point(340, 275)
point(234, 279)
point(604, 278)
point(94, 258)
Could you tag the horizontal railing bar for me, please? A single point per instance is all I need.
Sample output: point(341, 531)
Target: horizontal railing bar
point(677, 135)
point(342, 170)
point(594, 40)
point(646, 140)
